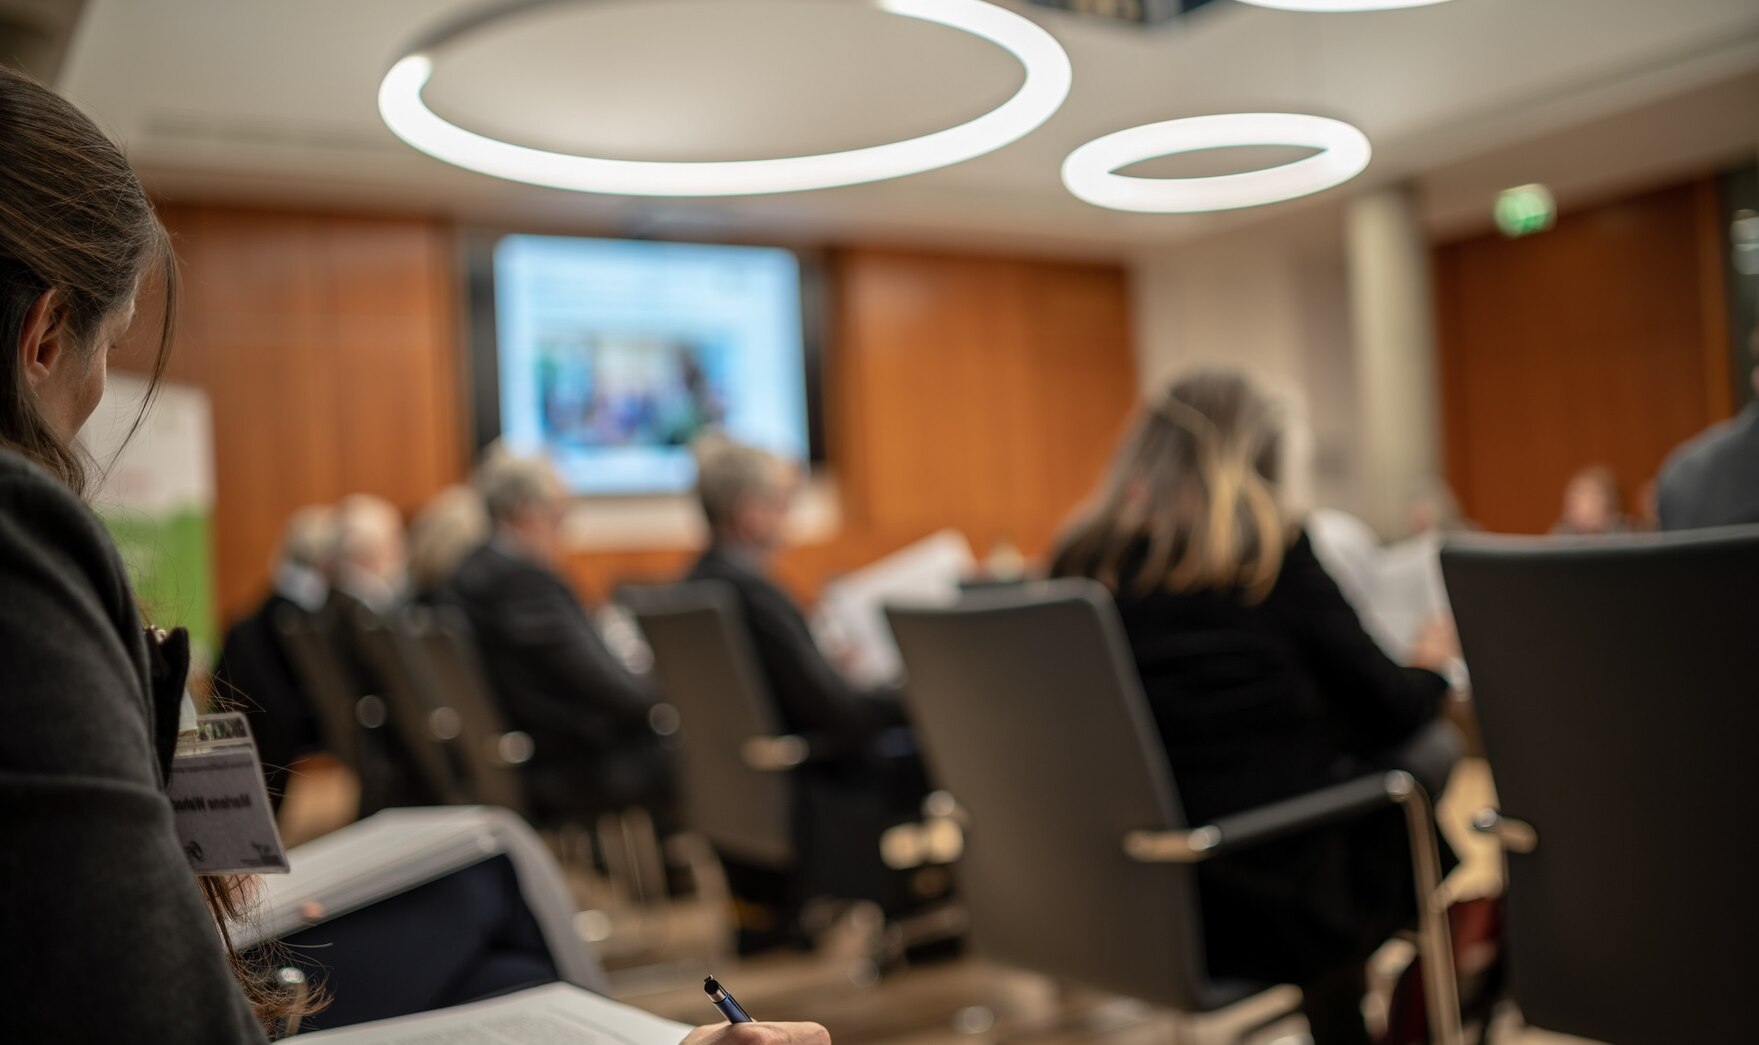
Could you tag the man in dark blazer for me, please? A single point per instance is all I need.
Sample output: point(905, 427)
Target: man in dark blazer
point(594, 748)
point(864, 775)
point(253, 672)
point(1713, 480)
point(746, 495)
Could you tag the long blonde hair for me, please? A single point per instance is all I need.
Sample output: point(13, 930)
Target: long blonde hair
point(1191, 501)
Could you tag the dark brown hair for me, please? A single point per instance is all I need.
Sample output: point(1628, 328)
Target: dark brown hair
point(75, 219)
point(1191, 500)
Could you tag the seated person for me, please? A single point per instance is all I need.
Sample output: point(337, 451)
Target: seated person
point(1713, 479)
point(1593, 505)
point(371, 565)
point(746, 494)
point(369, 575)
point(865, 774)
point(253, 673)
point(119, 940)
point(594, 749)
point(450, 526)
point(1263, 686)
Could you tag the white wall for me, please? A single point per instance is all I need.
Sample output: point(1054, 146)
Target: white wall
point(1278, 310)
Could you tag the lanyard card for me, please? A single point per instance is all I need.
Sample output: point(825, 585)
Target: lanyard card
point(224, 822)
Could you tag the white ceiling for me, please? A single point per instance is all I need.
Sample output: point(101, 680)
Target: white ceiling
point(274, 101)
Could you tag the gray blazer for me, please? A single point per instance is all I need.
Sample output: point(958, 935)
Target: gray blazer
point(1713, 480)
point(106, 935)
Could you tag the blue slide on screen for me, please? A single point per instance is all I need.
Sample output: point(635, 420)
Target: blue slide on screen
point(615, 354)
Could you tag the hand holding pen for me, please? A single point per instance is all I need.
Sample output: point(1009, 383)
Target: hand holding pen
point(741, 1030)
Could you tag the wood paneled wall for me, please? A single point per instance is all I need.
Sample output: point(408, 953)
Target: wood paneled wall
point(328, 347)
point(979, 393)
point(1599, 341)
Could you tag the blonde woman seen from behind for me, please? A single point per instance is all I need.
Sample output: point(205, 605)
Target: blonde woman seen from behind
point(1263, 685)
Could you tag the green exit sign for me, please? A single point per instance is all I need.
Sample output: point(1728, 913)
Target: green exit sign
point(1524, 210)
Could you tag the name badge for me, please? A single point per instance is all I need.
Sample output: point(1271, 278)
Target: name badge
point(224, 821)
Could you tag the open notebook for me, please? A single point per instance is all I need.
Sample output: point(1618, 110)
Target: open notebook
point(554, 1014)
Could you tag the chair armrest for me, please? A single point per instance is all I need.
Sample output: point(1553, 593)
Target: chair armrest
point(1517, 836)
point(775, 754)
point(1270, 822)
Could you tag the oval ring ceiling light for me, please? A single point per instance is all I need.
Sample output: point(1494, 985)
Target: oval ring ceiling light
point(1048, 77)
point(1090, 171)
point(1341, 5)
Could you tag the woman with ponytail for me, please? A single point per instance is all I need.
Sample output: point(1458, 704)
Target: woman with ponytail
point(1263, 686)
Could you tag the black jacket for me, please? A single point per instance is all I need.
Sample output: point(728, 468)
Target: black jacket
point(255, 676)
point(554, 677)
point(813, 697)
point(1713, 480)
point(1256, 702)
point(107, 937)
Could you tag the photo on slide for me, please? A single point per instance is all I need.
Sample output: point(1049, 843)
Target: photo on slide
point(609, 390)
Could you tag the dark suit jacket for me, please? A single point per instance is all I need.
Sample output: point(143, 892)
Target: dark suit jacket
point(254, 675)
point(550, 669)
point(1713, 480)
point(1259, 702)
point(109, 939)
point(813, 698)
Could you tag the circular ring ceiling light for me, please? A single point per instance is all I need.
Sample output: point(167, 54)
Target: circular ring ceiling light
point(1090, 171)
point(1046, 85)
point(1341, 5)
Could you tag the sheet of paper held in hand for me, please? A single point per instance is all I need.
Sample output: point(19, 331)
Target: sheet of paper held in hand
point(554, 1014)
point(224, 822)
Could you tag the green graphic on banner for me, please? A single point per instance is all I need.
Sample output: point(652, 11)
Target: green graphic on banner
point(169, 561)
point(157, 500)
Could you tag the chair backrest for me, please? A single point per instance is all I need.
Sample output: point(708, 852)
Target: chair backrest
point(706, 669)
point(418, 713)
point(1615, 683)
point(490, 753)
point(1028, 707)
point(325, 681)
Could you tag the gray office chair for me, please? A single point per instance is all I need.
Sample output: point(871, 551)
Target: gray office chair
point(489, 753)
point(733, 759)
point(1078, 858)
point(1615, 684)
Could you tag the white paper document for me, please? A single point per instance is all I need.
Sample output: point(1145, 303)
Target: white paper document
point(853, 605)
point(1396, 589)
point(554, 1014)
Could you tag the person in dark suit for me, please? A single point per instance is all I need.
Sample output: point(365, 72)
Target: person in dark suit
point(1263, 685)
point(746, 494)
point(1713, 480)
point(595, 750)
point(253, 672)
point(865, 774)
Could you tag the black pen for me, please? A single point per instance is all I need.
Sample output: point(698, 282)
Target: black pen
point(724, 1001)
